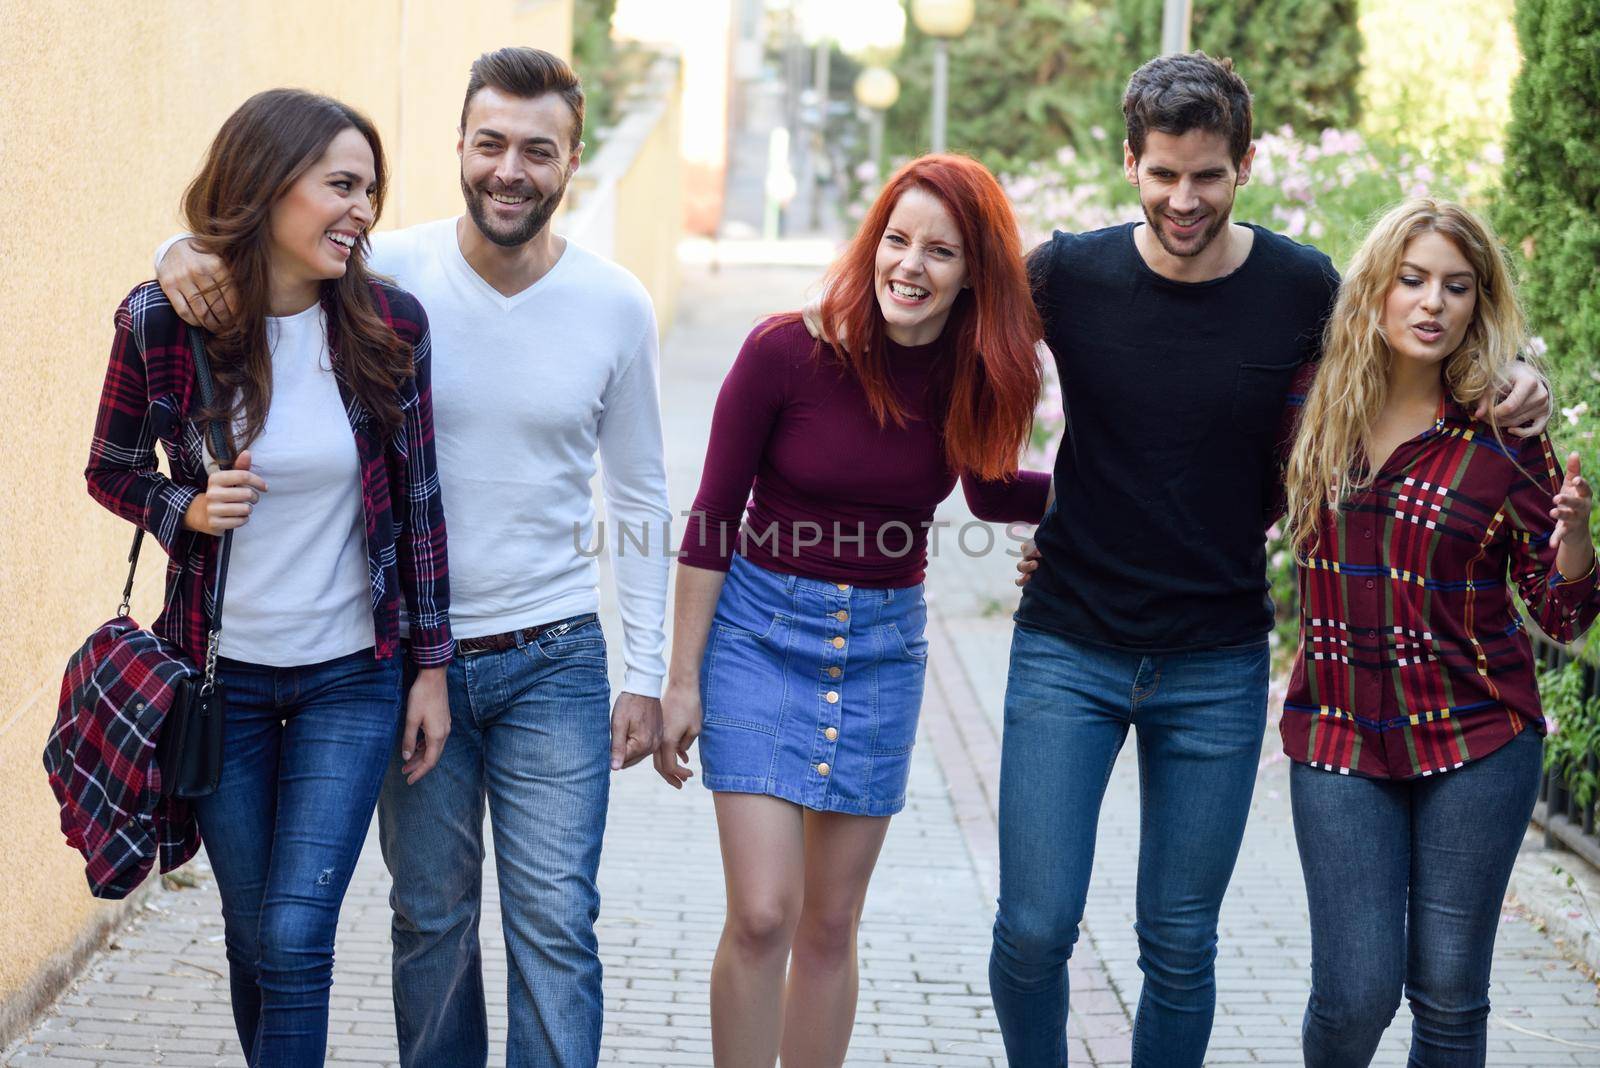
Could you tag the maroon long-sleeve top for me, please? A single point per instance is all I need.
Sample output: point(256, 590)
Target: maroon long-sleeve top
point(835, 495)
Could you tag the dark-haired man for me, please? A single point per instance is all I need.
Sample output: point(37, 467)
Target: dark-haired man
point(1176, 340)
point(545, 355)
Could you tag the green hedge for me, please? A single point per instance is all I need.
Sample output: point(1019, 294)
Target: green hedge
point(1549, 210)
point(1549, 213)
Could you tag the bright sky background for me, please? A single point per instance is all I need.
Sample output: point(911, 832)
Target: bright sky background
point(858, 25)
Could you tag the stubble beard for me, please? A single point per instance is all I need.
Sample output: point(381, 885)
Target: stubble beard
point(521, 232)
point(1155, 220)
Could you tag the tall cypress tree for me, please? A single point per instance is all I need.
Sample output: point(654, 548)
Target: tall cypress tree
point(1549, 208)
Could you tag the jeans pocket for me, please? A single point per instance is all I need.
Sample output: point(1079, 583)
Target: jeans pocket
point(898, 706)
point(585, 642)
point(913, 646)
point(745, 675)
point(753, 635)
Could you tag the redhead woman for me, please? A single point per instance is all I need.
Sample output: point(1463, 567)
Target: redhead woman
point(1413, 715)
point(798, 654)
point(333, 501)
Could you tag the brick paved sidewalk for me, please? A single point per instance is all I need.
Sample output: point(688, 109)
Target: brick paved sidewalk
point(1545, 1012)
point(158, 995)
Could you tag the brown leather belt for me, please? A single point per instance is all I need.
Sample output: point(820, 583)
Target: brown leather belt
point(495, 643)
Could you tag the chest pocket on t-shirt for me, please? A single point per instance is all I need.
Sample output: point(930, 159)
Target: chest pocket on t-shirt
point(1258, 396)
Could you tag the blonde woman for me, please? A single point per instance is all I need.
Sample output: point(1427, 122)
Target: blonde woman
point(1413, 715)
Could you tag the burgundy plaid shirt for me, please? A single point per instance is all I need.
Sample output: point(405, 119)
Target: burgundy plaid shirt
point(149, 392)
point(1413, 656)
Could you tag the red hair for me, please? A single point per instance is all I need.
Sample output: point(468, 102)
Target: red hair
point(994, 376)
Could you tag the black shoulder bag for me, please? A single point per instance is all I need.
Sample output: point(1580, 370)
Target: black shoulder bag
point(189, 749)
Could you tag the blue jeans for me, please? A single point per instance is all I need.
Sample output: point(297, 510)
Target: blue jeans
point(530, 735)
point(1200, 718)
point(1405, 881)
point(304, 750)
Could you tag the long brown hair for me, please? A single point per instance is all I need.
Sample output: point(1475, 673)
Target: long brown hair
point(261, 151)
point(995, 378)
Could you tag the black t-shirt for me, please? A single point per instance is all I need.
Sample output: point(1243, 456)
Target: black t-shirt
point(1173, 394)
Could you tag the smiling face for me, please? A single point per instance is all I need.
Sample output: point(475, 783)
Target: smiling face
point(1187, 183)
point(920, 268)
point(1432, 300)
point(516, 159)
point(312, 230)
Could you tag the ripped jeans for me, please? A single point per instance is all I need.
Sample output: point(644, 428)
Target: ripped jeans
point(304, 753)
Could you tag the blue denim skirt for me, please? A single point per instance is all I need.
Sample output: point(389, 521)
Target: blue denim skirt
point(811, 691)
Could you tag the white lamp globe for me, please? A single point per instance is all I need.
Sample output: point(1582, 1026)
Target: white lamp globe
point(877, 88)
point(943, 18)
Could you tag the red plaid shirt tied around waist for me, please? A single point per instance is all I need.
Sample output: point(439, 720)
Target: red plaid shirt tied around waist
point(1413, 656)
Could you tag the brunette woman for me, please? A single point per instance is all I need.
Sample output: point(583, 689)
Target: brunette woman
point(333, 500)
point(798, 654)
point(1413, 715)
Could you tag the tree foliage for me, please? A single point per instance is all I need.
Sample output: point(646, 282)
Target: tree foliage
point(1550, 205)
point(1032, 76)
point(593, 56)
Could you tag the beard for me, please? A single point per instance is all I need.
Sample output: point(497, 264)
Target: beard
point(1156, 219)
point(519, 232)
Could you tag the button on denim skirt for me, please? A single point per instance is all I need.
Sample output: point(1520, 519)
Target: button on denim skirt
point(811, 691)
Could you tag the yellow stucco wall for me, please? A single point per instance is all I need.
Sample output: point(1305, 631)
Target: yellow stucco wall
point(105, 109)
point(646, 236)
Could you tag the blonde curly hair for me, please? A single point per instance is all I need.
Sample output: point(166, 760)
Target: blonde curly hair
point(1325, 462)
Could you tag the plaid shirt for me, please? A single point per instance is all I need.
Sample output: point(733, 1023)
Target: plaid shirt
point(117, 691)
point(1413, 656)
point(149, 392)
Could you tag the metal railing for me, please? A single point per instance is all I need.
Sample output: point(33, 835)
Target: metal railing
point(1565, 822)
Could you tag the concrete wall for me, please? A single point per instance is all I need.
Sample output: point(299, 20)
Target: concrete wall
point(702, 32)
point(626, 202)
point(105, 110)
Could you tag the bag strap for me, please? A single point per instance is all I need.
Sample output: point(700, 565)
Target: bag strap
point(224, 458)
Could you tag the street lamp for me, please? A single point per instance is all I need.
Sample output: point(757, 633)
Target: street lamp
point(942, 20)
point(876, 90)
point(1175, 26)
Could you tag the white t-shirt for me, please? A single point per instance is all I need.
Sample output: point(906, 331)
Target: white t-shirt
point(298, 591)
point(526, 390)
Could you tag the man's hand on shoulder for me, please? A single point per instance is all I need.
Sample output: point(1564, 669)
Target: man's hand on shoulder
point(1524, 409)
point(198, 286)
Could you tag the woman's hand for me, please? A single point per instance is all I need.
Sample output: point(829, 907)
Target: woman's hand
point(1030, 557)
point(198, 286)
point(1573, 503)
point(427, 724)
point(228, 499)
point(680, 726)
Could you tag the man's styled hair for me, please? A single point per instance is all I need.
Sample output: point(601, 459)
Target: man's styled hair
point(1185, 91)
point(527, 72)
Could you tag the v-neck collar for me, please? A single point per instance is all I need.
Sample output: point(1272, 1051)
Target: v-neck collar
point(504, 302)
point(1401, 454)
